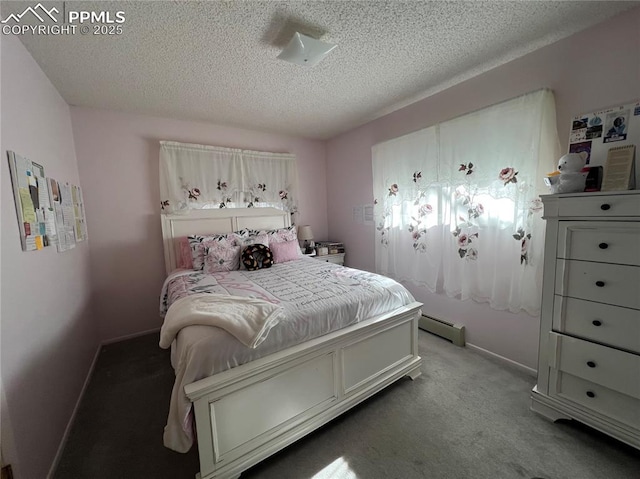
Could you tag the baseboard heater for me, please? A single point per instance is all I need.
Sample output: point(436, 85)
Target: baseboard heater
point(444, 329)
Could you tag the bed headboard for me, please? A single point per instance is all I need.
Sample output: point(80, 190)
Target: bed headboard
point(215, 221)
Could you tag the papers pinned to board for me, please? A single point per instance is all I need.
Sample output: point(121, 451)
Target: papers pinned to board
point(48, 212)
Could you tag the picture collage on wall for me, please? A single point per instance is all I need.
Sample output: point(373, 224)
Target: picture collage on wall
point(48, 212)
point(594, 134)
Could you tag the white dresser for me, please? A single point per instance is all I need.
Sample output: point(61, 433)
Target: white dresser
point(589, 356)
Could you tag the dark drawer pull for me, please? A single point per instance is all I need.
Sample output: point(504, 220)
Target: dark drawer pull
point(599, 284)
point(591, 364)
point(605, 206)
point(596, 322)
point(591, 394)
point(603, 246)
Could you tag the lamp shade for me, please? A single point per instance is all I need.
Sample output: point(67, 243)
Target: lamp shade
point(304, 50)
point(305, 233)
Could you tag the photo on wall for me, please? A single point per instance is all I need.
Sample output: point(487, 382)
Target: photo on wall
point(596, 132)
point(616, 126)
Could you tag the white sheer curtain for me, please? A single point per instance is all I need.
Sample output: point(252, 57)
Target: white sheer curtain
point(200, 176)
point(457, 204)
point(269, 179)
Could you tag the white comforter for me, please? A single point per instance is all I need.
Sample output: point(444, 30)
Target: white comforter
point(316, 298)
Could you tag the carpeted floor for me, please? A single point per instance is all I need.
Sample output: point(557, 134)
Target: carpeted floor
point(467, 416)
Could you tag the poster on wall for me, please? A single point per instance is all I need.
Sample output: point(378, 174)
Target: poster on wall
point(80, 225)
point(36, 219)
point(55, 196)
point(68, 216)
point(595, 133)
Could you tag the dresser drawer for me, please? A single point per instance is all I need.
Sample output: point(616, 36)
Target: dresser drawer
point(600, 206)
point(609, 367)
point(607, 402)
point(605, 283)
point(603, 323)
point(605, 242)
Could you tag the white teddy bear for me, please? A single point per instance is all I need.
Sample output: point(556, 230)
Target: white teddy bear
point(572, 176)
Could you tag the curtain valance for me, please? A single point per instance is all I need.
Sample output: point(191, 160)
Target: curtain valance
point(200, 176)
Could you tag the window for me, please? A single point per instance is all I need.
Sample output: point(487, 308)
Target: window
point(199, 177)
point(457, 206)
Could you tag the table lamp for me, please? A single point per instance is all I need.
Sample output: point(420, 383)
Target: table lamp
point(306, 235)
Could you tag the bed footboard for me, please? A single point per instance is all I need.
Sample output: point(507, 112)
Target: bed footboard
point(248, 413)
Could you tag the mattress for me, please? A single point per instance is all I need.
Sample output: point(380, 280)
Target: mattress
point(317, 298)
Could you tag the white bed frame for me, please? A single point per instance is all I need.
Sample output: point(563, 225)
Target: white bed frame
point(250, 412)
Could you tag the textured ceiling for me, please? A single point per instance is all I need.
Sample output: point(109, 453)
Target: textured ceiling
point(216, 61)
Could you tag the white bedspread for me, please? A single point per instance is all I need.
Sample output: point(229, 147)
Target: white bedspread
point(316, 298)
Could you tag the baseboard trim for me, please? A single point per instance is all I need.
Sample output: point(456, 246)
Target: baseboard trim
point(129, 336)
point(67, 431)
point(517, 365)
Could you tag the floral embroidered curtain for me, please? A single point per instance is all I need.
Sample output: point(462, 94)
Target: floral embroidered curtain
point(457, 204)
point(199, 177)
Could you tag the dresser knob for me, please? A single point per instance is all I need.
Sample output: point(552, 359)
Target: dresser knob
point(591, 364)
point(591, 394)
point(605, 206)
point(596, 322)
point(599, 284)
point(603, 245)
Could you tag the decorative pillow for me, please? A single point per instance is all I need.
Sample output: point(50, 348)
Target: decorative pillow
point(222, 257)
point(257, 256)
point(246, 233)
point(255, 239)
point(285, 251)
point(262, 239)
point(184, 259)
point(199, 245)
point(275, 236)
point(283, 234)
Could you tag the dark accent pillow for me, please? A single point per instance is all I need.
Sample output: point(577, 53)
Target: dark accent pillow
point(257, 256)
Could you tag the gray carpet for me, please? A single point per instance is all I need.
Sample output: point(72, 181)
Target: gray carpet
point(467, 416)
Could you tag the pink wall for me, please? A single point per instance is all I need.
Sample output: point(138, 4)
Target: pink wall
point(48, 335)
point(118, 156)
point(596, 68)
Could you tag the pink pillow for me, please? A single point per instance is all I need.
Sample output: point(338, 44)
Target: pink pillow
point(184, 253)
point(285, 251)
point(222, 256)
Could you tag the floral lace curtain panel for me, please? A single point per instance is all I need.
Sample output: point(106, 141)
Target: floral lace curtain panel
point(457, 204)
point(199, 177)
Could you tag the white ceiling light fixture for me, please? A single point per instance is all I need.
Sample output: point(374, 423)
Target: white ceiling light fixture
point(304, 50)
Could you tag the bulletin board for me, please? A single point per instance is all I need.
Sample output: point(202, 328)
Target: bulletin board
point(36, 219)
point(49, 212)
point(594, 133)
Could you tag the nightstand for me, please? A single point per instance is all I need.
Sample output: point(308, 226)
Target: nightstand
point(337, 258)
point(334, 252)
